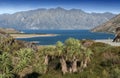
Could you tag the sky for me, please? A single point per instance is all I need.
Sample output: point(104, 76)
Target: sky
point(99, 6)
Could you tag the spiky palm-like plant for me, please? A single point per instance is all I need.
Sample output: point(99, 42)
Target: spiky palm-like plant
point(47, 52)
point(62, 55)
point(25, 58)
point(73, 49)
point(5, 66)
point(86, 57)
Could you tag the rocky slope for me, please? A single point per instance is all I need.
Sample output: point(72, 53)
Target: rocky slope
point(109, 26)
point(54, 18)
point(9, 44)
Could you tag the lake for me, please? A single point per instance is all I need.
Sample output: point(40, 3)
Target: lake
point(65, 34)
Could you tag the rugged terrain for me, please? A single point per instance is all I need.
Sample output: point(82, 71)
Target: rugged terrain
point(54, 18)
point(8, 43)
point(110, 26)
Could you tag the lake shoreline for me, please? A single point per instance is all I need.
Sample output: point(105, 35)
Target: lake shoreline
point(108, 41)
point(50, 37)
point(23, 35)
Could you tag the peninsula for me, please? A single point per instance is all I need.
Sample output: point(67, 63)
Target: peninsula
point(17, 34)
point(24, 35)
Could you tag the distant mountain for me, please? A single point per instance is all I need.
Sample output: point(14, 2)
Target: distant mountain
point(109, 26)
point(54, 18)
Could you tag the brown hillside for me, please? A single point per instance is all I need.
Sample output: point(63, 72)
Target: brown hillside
point(109, 26)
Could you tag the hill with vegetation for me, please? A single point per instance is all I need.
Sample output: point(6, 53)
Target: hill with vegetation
point(9, 30)
point(109, 26)
point(71, 59)
point(54, 18)
point(8, 43)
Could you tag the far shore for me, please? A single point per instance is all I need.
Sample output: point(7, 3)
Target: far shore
point(31, 35)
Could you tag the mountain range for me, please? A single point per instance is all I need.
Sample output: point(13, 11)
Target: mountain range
point(54, 18)
point(109, 26)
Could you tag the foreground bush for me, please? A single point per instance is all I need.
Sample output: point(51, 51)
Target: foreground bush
point(72, 59)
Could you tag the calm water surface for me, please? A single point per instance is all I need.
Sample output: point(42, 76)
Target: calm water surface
point(64, 34)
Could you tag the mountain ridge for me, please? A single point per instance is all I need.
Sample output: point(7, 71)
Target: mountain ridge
point(53, 18)
point(109, 26)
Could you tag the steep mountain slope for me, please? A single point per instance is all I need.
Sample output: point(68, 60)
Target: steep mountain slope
point(54, 18)
point(109, 26)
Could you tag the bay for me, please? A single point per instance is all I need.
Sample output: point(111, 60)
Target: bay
point(63, 35)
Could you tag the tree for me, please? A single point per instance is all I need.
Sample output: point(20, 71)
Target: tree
point(47, 52)
point(73, 49)
point(61, 53)
point(86, 58)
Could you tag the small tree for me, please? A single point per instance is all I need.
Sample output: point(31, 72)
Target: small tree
point(86, 57)
point(47, 52)
point(73, 49)
point(62, 55)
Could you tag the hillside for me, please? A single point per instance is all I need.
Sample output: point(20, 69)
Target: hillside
point(109, 26)
point(71, 59)
point(54, 18)
point(9, 30)
point(8, 43)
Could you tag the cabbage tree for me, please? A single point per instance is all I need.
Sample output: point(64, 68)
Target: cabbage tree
point(47, 52)
point(73, 49)
point(86, 58)
point(62, 55)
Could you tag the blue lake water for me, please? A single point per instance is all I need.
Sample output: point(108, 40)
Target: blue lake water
point(65, 34)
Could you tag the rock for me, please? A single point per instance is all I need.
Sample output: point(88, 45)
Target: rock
point(117, 38)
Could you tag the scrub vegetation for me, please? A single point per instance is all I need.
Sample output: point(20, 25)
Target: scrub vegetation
point(71, 59)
